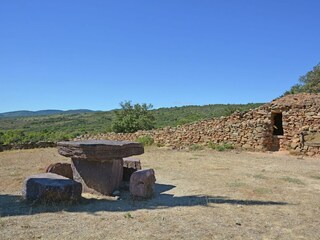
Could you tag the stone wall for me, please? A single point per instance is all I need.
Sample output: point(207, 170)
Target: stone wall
point(301, 118)
point(29, 145)
point(252, 130)
point(248, 130)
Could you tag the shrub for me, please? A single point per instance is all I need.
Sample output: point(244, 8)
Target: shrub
point(310, 82)
point(146, 140)
point(220, 147)
point(131, 118)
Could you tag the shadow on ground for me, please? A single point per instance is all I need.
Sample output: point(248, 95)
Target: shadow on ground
point(14, 205)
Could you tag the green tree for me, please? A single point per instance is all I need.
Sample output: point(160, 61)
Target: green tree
point(131, 118)
point(309, 83)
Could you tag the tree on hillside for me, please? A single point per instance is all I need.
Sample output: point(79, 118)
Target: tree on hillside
point(131, 118)
point(309, 83)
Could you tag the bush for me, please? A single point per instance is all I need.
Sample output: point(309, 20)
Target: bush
point(145, 140)
point(132, 118)
point(309, 83)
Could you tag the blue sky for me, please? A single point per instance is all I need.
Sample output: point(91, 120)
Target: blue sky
point(94, 54)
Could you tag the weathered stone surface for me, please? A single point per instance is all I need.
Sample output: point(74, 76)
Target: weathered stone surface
point(98, 177)
point(99, 150)
point(63, 169)
point(50, 187)
point(142, 183)
point(130, 165)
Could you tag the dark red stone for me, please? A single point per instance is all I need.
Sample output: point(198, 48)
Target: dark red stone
point(98, 177)
point(63, 169)
point(50, 187)
point(97, 164)
point(99, 150)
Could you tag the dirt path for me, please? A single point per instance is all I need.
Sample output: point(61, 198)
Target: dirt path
point(200, 195)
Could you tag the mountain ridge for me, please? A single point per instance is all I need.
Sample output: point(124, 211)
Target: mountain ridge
point(47, 112)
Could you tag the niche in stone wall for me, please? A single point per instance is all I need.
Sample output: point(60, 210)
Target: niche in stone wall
point(277, 123)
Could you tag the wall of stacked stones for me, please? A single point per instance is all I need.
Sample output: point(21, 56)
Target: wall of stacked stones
point(251, 130)
point(297, 121)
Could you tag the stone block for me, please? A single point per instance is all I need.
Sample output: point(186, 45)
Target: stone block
point(142, 183)
point(63, 169)
point(130, 165)
point(50, 187)
point(98, 177)
point(99, 150)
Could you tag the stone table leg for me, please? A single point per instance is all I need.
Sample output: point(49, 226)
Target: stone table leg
point(102, 177)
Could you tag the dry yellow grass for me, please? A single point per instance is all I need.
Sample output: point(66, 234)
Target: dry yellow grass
point(199, 195)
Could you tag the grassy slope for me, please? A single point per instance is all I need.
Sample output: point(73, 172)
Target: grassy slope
point(64, 126)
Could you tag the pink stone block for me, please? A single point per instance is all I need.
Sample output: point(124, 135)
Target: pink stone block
point(142, 183)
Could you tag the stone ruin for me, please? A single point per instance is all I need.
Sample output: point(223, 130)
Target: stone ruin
point(289, 123)
point(96, 167)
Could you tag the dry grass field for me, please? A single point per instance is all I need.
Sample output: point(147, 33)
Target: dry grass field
point(199, 195)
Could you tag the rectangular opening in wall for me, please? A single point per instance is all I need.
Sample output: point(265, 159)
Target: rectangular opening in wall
point(277, 123)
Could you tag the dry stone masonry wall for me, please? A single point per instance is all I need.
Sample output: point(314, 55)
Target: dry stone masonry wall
point(297, 115)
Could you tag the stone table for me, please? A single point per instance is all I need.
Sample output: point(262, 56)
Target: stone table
point(98, 164)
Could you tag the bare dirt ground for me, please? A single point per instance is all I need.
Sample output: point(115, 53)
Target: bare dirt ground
point(199, 195)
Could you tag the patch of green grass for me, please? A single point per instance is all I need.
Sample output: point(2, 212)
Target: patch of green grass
point(262, 191)
point(292, 180)
point(315, 177)
point(146, 140)
point(196, 147)
point(220, 147)
point(128, 215)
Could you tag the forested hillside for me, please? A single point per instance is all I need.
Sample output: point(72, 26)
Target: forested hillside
point(66, 126)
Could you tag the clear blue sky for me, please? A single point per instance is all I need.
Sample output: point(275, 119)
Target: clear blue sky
point(94, 54)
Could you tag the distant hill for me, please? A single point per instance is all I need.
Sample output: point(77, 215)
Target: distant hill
point(57, 125)
point(24, 113)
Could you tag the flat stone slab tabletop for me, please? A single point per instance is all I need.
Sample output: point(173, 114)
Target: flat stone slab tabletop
point(98, 164)
point(99, 150)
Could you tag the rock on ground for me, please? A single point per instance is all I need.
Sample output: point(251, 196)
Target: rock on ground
point(50, 187)
point(142, 183)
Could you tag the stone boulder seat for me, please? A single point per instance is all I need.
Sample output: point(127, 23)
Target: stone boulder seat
point(142, 184)
point(50, 187)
